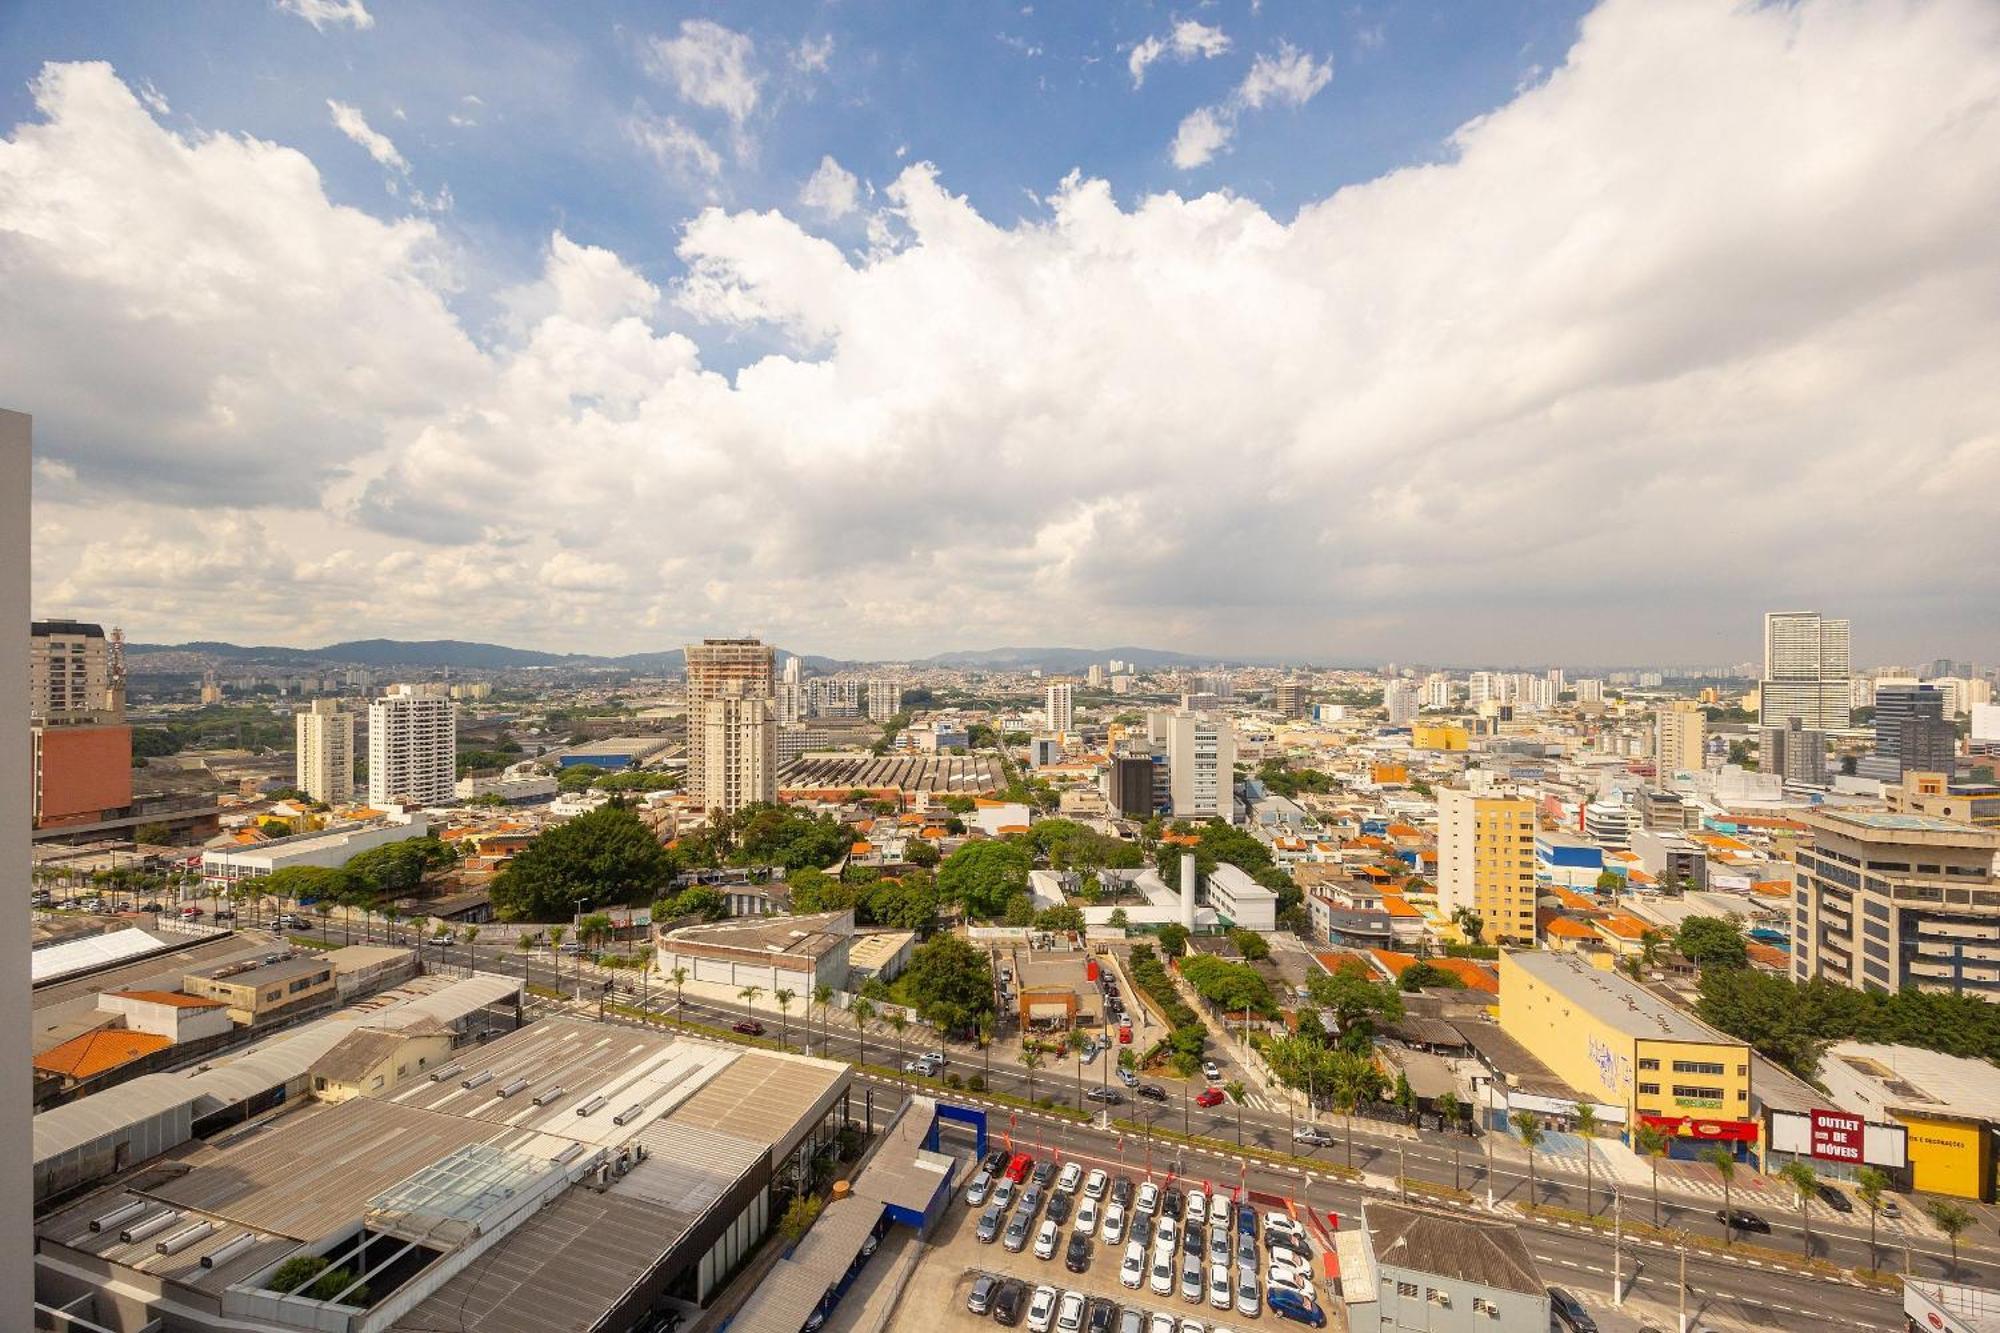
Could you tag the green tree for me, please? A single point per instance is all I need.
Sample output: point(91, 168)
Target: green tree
point(1234, 1090)
point(982, 876)
point(1610, 881)
point(1585, 1119)
point(948, 970)
point(920, 852)
point(1951, 1219)
point(594, 930)
point(1064, 918)
point(1529, 1128)
point(1173, 939)
point(1250, 944)
point(1870, 1183)
point(605, 857)
point(1031, 1060)
point(1469, 924)
point(1355, 1001)
point(576, 777)
point(1351, 1080)
point(861, 1011)
point(1422, 975)
point(1118, 920)
point(784, 996)
point(1805, 1183)
point(822, 994)
point(1020, 911)
point(698, 901)
point(1711, 941)
point(1650, 1142)
point(800, 1214)
point(1725, 1166)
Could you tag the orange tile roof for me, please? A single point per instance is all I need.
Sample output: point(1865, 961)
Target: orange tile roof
point(176, 998)
point(863, 825)
point(1403, 831)
point(99, 1050)
point(1759, 952)
point(1013, 828)
point(1575, 901)
point(1624, 925)
point(1395, 904)
point(1392, 962)
point(1772, 888)
point(1182, 839)
point(1474, 975)
point(862, 848)
point(934, 831)
point(1565, 929)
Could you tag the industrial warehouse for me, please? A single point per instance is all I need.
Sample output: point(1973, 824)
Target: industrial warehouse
point(566, 1176)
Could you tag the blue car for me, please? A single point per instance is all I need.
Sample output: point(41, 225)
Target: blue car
point(1288, 1304)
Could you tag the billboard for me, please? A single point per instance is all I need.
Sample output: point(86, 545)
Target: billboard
point(1837, 1136)
point(1840, 1136)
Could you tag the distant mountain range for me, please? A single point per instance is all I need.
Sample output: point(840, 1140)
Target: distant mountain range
point(457, 653)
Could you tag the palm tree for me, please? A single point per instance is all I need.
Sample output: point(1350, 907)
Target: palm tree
point(986, 1043)
point(1586, 1125)
point(525, 942)
point(822, 996)
point(1031, 1060)
point(898, 1021)
point(861, 1011)
point(1804, 1184)
point(1449, 1111)
point(1650, 1142)
point(324, 911)
point(1234, 1091)
point(679, 977)
point(784, 997)
point(1529, 1127)
point(1351, 1079)
point(1950, 1219)
point(1869, 1183)
point(749, 996)
point(468, 936)
point(390, 916)
point(1725, 1165)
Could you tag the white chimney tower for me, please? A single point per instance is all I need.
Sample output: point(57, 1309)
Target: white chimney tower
point(1188, 877)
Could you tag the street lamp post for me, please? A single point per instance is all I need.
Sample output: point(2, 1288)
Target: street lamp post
point(1617, 1250)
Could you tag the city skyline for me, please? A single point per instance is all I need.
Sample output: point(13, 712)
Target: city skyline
point(612, 330)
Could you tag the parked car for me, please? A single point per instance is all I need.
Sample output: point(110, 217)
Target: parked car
point(1044, 1173)
point(1086, 1218)
point(1161, 1323)
point(1149, 1199)
point(1069, 1319)
point(990, 1221)
point(1132, 1271)
point(1096, 1182)
point(1016, 1238)
point(1031, 1200)
point(930, 1064)
point(1211, 1071)
point(1100, 1316)
point(1218, 1245)
point(1743, 1220)
point(1891, 1209)
point(996, 1161)
point(1019, 1166)
point(1076, 1257)
point(976, 1192)
point(1161, 1278)
point(1246, 1293)
point(1105, 1096)
point(1192, 1283)
point(750, 1027)
point(1288, 1304)
point(1003, 1194)
point(1170, 1202)
point(1128, 1078)
point(1059, 1208)
point(1197, 1206)
point(1835, 1199)
point(1008, 1301)
point(1280, 1228)
point(1152, 1092)
point(1047, 1239)
point(1191, 1239)
point(1071, 1178)
point(1569, 1310)
point(1132, 1321)
point(1124, 1030)
point(1121, 1191)
point(1220, 1293)
point(1167, 1234)
point(1312, 1136)
point(1042, 1309)
point(1112, 1229)
point(1283, 1275)
point(980, 1299)
point(1208, 1097)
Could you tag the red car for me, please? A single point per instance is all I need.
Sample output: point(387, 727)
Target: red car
point(750, 1027)
point(1125, 1034)
point(1208, 1097)
point(1017, 1169)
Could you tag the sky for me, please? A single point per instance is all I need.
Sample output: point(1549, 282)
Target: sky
point(1507, 331)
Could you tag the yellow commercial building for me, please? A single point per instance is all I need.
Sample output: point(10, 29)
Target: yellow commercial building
point(1486, 862)
point(1620, 1045)
point(1439, 736)
point(1950, 1104)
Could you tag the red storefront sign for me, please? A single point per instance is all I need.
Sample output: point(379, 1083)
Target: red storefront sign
point(1702, 1127)
point(1837, 1136)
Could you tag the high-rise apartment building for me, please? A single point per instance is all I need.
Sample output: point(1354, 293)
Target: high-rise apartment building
point(1589, 690)
point(1060, 709)
point(1795, 752)
point(1129, 783)
point(325, 749)
point(1399, 702)
point(1292, 698)
point(1201, 766)
point(739, 748)
point(1486, 861)
point(1808, 673)
point(712, 666)
point(81, 746)
point(1437, 691)
point(1680, 732)
point(885, 699)
point(412, 746)
point(1912, 734)
point(1887, 901)
point(70, 676)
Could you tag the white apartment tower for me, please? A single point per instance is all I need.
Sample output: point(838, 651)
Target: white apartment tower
point(413, 746)
point(1399, 701)
point(1201, 766)
point(713, 666)
point(739, 749)
point(326, 752)
point(1680, 734)
point(72, 676)
point(885, 699)
point(1061, 709)
point(1808, 673)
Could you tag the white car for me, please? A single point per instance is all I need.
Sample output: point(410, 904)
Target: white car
point(1191, 1326)
point(1191, 1279)
point(1086, 1218)
point(1219, 1294)
point(1284, 1275)
point(1046, 1240)
point(1168, 1234)
point(1069, 1319)
point(1197, 1206)
point(1283, 1228)
point(976, 1192)
point(1149, 1199)
point(1211, 1071)
point(1161, 1323)
point(1112, 1229)
point(1289, 1258)
point(1072, 1175)
point(1161, 1282)
point(1132, 1273)
point(1004, 1196)
point(1042, 1309)
point(1094, 1186)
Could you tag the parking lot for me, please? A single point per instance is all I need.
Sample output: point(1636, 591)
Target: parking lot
point(942, 1283)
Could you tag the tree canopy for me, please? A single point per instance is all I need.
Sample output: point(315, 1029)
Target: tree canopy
point(1250, 944)
point(1355, 1001)
point(982, 876)
point(1225, 843)
point(1068, 845)
point(1711, 941)
point(1792, 1022)
point(607, 857)
point(1230, 986)
point(950, 971)
point(397, 868)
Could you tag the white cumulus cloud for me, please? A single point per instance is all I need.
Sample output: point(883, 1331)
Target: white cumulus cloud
point(831, 190)
point(350, 122)
point(1290, 76)
point(1202, 134)
point(320, 13)
point(673, 144)
point(710, 66)
point(1186, 40)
